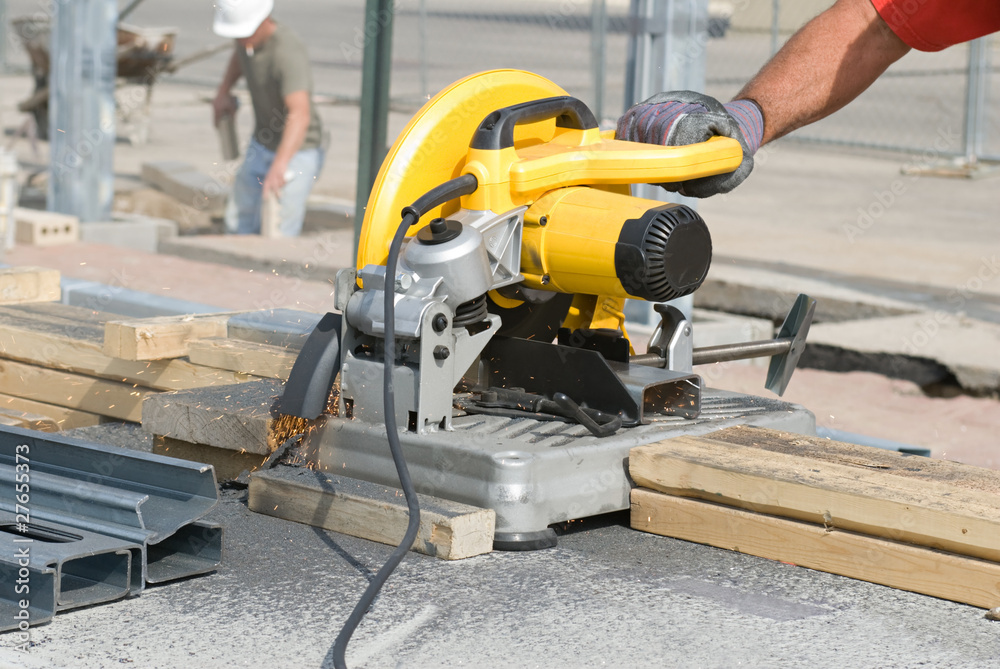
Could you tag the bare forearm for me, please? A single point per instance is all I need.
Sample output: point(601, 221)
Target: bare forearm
point(825, 65)
point(292, 137)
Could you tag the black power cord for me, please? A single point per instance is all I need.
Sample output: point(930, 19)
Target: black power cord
point(463, 185)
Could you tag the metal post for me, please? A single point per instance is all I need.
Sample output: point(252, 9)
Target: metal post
point(666, 53)
point(667, 42)
point(969, 164)
point(376, 70)
point(82, 108)
point(775, 25)
point(976, 92)
point(423, 49)
point(598, 46)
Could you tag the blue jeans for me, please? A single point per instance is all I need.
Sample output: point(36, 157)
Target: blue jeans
point(244, 207)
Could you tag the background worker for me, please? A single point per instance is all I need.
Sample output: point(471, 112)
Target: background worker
point(825, 65)
point(284, 156)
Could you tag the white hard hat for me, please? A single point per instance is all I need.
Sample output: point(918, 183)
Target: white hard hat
point(240, 18)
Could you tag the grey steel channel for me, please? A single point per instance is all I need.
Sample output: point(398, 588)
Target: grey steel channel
point(152, 501)
point(89, 568)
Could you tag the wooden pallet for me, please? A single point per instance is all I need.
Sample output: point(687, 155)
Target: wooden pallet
point(913, 523)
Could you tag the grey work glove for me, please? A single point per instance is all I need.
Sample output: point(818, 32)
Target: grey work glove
point(680, 118)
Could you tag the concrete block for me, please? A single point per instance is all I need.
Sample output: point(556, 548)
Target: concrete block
point(36, 227)
point(165, 228)
point(136, 232)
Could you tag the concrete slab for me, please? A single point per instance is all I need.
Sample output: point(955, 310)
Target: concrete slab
point(918, 347)
point(314, 257)
point(171, 276)
point(327, 213)
point(739, 289)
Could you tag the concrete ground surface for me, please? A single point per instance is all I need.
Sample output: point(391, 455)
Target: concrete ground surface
point(606, 596)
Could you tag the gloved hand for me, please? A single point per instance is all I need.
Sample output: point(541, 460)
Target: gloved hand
point(684, 117)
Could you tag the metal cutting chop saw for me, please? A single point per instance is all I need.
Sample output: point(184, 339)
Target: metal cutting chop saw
point(516, 387)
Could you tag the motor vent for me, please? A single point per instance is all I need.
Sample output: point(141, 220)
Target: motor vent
point(665, 254)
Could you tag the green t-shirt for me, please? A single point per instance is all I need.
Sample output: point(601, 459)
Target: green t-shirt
point(277, 68)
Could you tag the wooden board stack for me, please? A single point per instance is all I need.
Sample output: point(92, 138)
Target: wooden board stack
point(63, 366)
point(908, 522)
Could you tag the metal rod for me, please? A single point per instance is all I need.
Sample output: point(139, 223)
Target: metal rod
point(708, 355)
point(750, 349)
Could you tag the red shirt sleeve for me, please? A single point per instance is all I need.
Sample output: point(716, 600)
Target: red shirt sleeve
point(932, 25)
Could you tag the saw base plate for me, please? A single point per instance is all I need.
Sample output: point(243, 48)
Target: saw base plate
point(532, 473)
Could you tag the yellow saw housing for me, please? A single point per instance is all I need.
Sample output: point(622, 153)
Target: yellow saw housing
point(529, 144)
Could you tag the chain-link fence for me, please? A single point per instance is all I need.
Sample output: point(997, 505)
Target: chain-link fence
point(920, 104)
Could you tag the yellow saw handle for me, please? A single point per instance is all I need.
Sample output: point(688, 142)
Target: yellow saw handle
point(510, 175)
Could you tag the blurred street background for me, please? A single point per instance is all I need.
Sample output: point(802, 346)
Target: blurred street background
point(920, 105)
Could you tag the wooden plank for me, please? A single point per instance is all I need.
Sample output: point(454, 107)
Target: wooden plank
point(75, 344)
point(242, 417)
point(187, 185)
point(897, 565)
point(887, 462)
point(75, 391)
point(448, 530)
point(29, 284)
point(27, 420)
point(159, 338)
point(228, 464)
point(272, 362)
point(926, 512)
point(64, 313)
point(65, 419)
